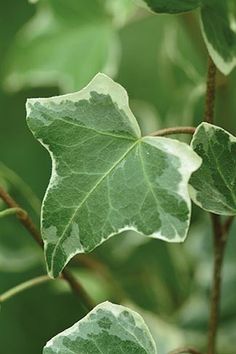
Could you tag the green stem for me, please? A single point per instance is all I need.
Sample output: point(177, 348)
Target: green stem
point(175, 130)
point(23, 286)
point(11, 211)
point(21, 186)
point(28, 224)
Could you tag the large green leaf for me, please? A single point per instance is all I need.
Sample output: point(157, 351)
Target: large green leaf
point(213, 186)
point(218, 34)
point(106, 178)
point(172, 6)
point(65, 44)
point(107, 329)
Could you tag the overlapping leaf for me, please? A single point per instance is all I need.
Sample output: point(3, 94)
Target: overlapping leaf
point(106, 178)
point(214, 184)
point(106, 329)
point(218, 32)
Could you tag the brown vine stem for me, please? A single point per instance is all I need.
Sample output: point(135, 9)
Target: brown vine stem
point(186, 350)
point(175, 130)
point(210, 92)
point(228, 223)
point(220, 231)
point(27, 222)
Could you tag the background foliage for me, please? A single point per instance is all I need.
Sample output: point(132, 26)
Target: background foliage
point(161, 61)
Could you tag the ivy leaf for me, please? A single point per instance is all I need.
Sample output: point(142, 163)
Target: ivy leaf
point(108, 328)
point(65, 44)
point(219, 36)
point(172, 6)
point(106, 178)
point(213, 186)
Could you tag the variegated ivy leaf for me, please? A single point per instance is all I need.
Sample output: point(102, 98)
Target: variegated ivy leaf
point(106, 178)
point(107, 329)
point(213, 186)
point(216, 23)
point(220, 38)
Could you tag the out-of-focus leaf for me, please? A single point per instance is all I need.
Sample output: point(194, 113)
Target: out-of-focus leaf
point(97, 285)
point(152, 120)
point(122, 10)
point(213, 186)
point(8, 29)
point(108, 328)
point(17, 260)
point(169, 57)
point(232, 14)
point(65, 44)
point(100, 161)
point(76, 12)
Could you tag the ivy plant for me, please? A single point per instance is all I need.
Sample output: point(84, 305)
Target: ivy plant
point(107, 177)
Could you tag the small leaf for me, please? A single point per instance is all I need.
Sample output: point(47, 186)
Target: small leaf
point(107, 329)
point(219, 36)
point(106, 178)
point(172, 6)
point(213, 186)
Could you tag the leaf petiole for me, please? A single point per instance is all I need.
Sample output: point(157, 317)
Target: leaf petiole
point(12, 211)
point(23, 286)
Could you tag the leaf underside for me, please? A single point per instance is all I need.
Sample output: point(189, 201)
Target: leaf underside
point(213, 186)
point(106, 178)
point(107, 329)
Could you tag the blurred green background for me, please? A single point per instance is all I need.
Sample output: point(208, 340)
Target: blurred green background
point(56, 46)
